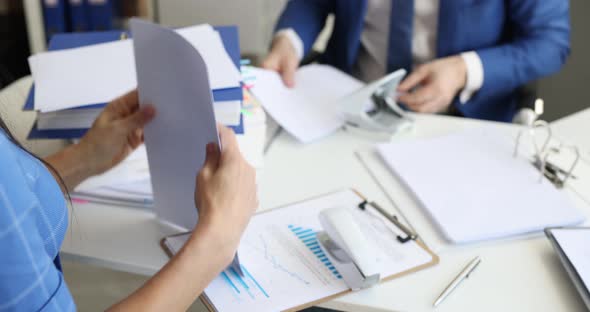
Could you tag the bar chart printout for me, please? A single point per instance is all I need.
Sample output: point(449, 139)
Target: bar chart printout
point(285, 267)
point(309, 238)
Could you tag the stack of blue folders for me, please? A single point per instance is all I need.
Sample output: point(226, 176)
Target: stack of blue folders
point(74, 122)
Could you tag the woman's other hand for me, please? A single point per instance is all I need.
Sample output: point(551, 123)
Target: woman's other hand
point(226, 195)
point(116, 132)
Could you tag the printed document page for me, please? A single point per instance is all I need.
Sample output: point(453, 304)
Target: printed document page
point(284, 265)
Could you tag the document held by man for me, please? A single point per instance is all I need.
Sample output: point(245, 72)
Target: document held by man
point(310, 110)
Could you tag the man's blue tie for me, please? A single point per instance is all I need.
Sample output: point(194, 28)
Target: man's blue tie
point(400, 35)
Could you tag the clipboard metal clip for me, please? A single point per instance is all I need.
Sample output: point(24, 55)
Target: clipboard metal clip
point(548, 169)
point(409, 234)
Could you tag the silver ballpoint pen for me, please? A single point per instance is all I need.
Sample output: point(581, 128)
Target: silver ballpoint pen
point(460, 278)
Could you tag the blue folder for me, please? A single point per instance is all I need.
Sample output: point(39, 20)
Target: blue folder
point(54, 17)
point(229, 36)
point(78, 12)
point(100, 14)
point(78, 133)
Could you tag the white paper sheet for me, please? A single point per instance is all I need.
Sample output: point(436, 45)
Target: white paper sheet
point(176, 139)
point(134, 168)
point(310, 110)
point(99, 73)
point(475, 189)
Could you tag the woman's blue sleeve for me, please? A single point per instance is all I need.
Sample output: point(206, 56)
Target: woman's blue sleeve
point(29, 280)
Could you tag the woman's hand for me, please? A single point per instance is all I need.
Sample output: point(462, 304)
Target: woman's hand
point(116, 132)
point(226, 195)
point(226, 198)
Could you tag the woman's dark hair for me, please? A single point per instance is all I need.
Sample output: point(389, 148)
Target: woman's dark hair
point(12, 139)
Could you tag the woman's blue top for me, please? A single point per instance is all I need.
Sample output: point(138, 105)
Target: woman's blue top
point(33, 222)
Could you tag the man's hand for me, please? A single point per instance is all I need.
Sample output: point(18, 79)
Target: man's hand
point(283, 59)
point(436, 84)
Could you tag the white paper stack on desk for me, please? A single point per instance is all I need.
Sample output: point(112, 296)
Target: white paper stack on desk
point(129, 182)
point(69, 79)
point(126, 184)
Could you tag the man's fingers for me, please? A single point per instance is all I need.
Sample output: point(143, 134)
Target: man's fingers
point(138, 119)
point(288, 73)
point(271, 62)
point(414, 79)
point(427, 107)
point(418, 97)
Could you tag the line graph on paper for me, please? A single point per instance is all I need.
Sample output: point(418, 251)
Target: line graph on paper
point(276, 263)
point(280, 263)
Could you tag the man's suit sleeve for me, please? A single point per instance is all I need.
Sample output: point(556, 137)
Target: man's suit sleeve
point(540, 46)
point(306, 18)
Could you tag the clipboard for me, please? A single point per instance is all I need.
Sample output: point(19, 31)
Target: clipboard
point(297, 211)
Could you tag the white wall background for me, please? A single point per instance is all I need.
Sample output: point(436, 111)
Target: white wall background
point(255, 18)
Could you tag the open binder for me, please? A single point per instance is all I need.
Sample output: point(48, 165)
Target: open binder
point(474, 185)
point(285, 267)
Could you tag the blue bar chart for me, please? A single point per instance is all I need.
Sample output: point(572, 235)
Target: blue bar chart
point(309, 238)
point(243, 285)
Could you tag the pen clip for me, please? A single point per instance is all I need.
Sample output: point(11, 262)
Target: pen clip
point(409, 235)
point(473, 269)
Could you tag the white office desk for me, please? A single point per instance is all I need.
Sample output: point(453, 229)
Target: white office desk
point(517, 275)
point(575, 129)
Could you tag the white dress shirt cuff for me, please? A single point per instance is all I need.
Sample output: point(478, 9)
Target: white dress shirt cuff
point(474, 75)
point(294, 38)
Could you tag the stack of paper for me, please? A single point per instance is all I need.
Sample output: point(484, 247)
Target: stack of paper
point(86, 70)
point(253, 140)
point(129, 183)
point(126, 184)
point(310, 110)
point(475, 189)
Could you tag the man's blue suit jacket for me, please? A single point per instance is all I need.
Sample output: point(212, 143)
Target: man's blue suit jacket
point(517, 41)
